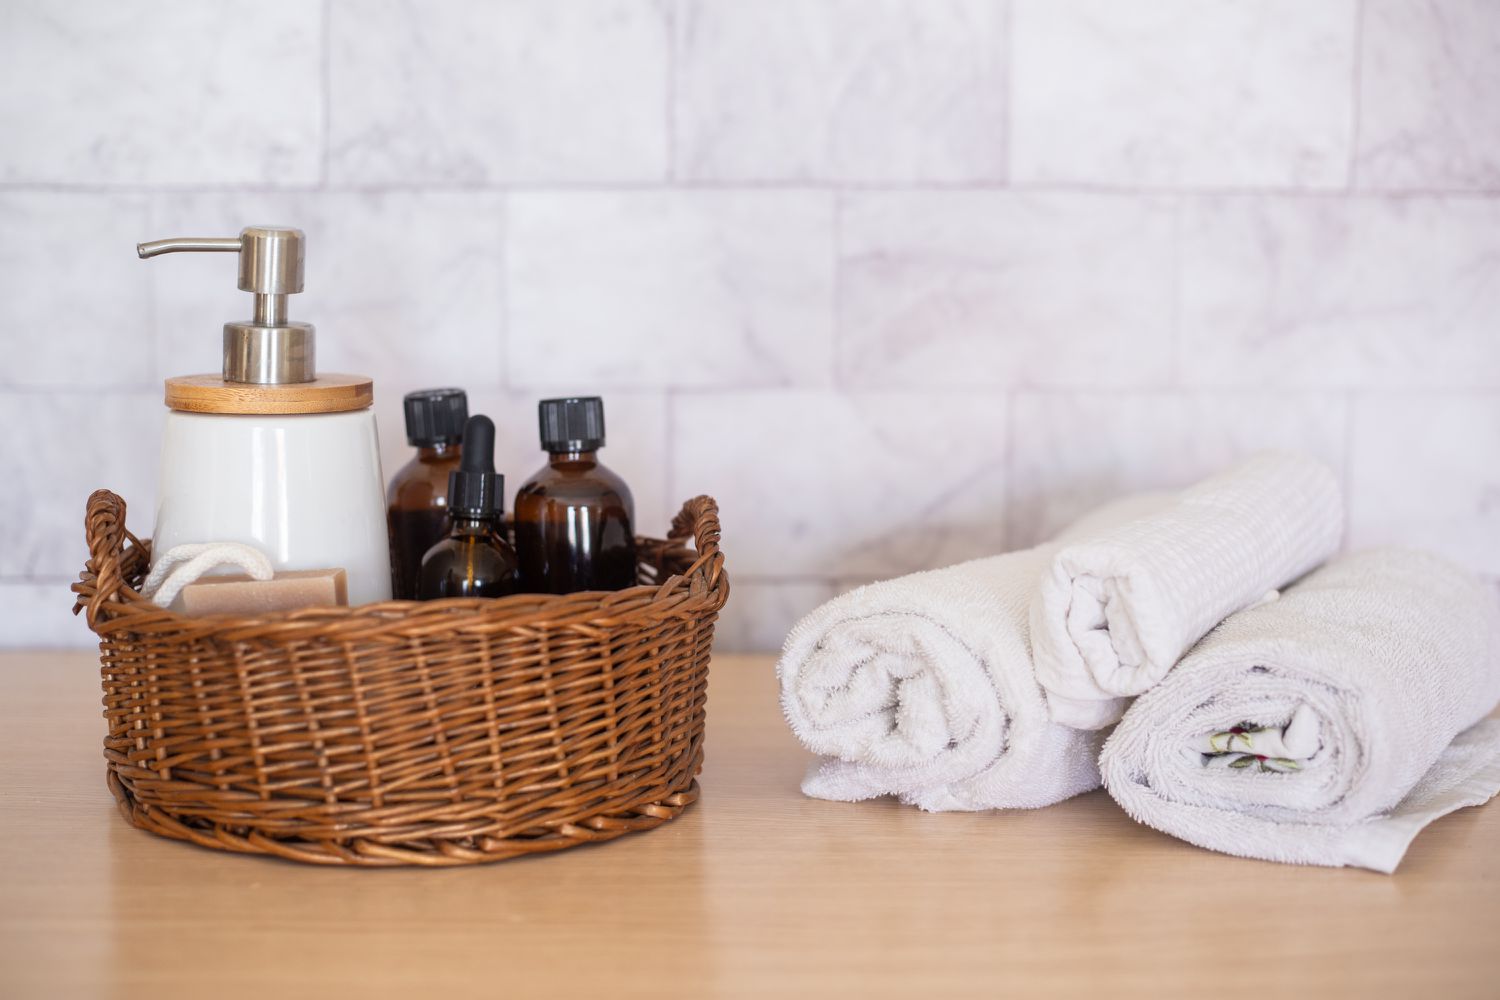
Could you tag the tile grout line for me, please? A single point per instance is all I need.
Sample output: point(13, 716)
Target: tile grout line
point(936, 389)
point(669, 457)
point(1007, 80)
point(674, 18)
point(506, 252)
point(982, 389)
point(836, 374)
point(326, 81)
point(743, 577)
point(793, 185)
point(1351, 406)
point(153, 344)
point(1174, 305)
point(153, 318)
point(799, 578)
point(1356, 96)
point(1008, 492)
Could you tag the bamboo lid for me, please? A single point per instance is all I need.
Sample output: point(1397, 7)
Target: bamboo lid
point(327, 393)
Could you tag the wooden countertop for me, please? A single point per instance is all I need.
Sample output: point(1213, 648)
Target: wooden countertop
point(755, 892)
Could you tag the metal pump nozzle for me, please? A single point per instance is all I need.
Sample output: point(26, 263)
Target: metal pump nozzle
point(269, 349)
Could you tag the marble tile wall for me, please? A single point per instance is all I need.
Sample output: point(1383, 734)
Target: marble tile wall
point(899, 282)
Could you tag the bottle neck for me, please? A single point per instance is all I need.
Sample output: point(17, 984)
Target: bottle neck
point(468, 523)
point(573, 457)
point(438, 452)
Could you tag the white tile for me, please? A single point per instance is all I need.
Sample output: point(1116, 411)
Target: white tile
point(841, 89)
point(1338, 292)
point(39, 615)
point(823, 484)
point(485, 91)
point(1003, 289)
point(761, 612)
point(403, 286)
point(700, 288)
point(74, 443)
point(1426, 472)
point(1190, 93)
point(1075, 451)
point(74, 290)
point(1429, 76)
point(161, 92)
point(636, 446)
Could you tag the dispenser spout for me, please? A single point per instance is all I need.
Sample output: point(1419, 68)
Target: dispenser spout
point(270, 349)
point(199, 244)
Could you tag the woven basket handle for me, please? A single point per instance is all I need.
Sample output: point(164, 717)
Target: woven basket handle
point(699, 518)
point(104, 523)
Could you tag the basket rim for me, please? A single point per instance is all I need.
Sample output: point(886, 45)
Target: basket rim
point(111, 605)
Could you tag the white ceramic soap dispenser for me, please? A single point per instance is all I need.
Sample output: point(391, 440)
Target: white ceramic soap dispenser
point(271, 453)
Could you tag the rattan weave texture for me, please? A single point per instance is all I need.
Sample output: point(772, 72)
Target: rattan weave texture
point(438, 733)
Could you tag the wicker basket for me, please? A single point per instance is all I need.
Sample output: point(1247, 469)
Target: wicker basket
point(440, 733)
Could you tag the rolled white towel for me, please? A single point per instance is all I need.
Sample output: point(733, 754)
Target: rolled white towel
point(1328, 727)
point(1115, 612)
point(922, 687)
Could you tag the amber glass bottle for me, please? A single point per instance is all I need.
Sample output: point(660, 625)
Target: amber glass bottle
point(474, 560)
point(575, 518)
point(417, 499)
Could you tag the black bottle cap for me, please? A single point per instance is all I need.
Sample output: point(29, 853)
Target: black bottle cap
point(474, 488)
point(572, 424)
point(435, 416)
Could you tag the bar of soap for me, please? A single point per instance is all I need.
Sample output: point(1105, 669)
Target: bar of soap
point(239, 594)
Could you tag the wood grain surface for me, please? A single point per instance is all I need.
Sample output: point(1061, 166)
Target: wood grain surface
point(327, 393)
point(755, 892)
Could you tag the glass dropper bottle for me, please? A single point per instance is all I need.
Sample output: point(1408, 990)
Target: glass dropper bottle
point(475, 560)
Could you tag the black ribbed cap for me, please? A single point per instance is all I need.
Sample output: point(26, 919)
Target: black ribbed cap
point(572, 424)
point(435, 416)
point(474, 488)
